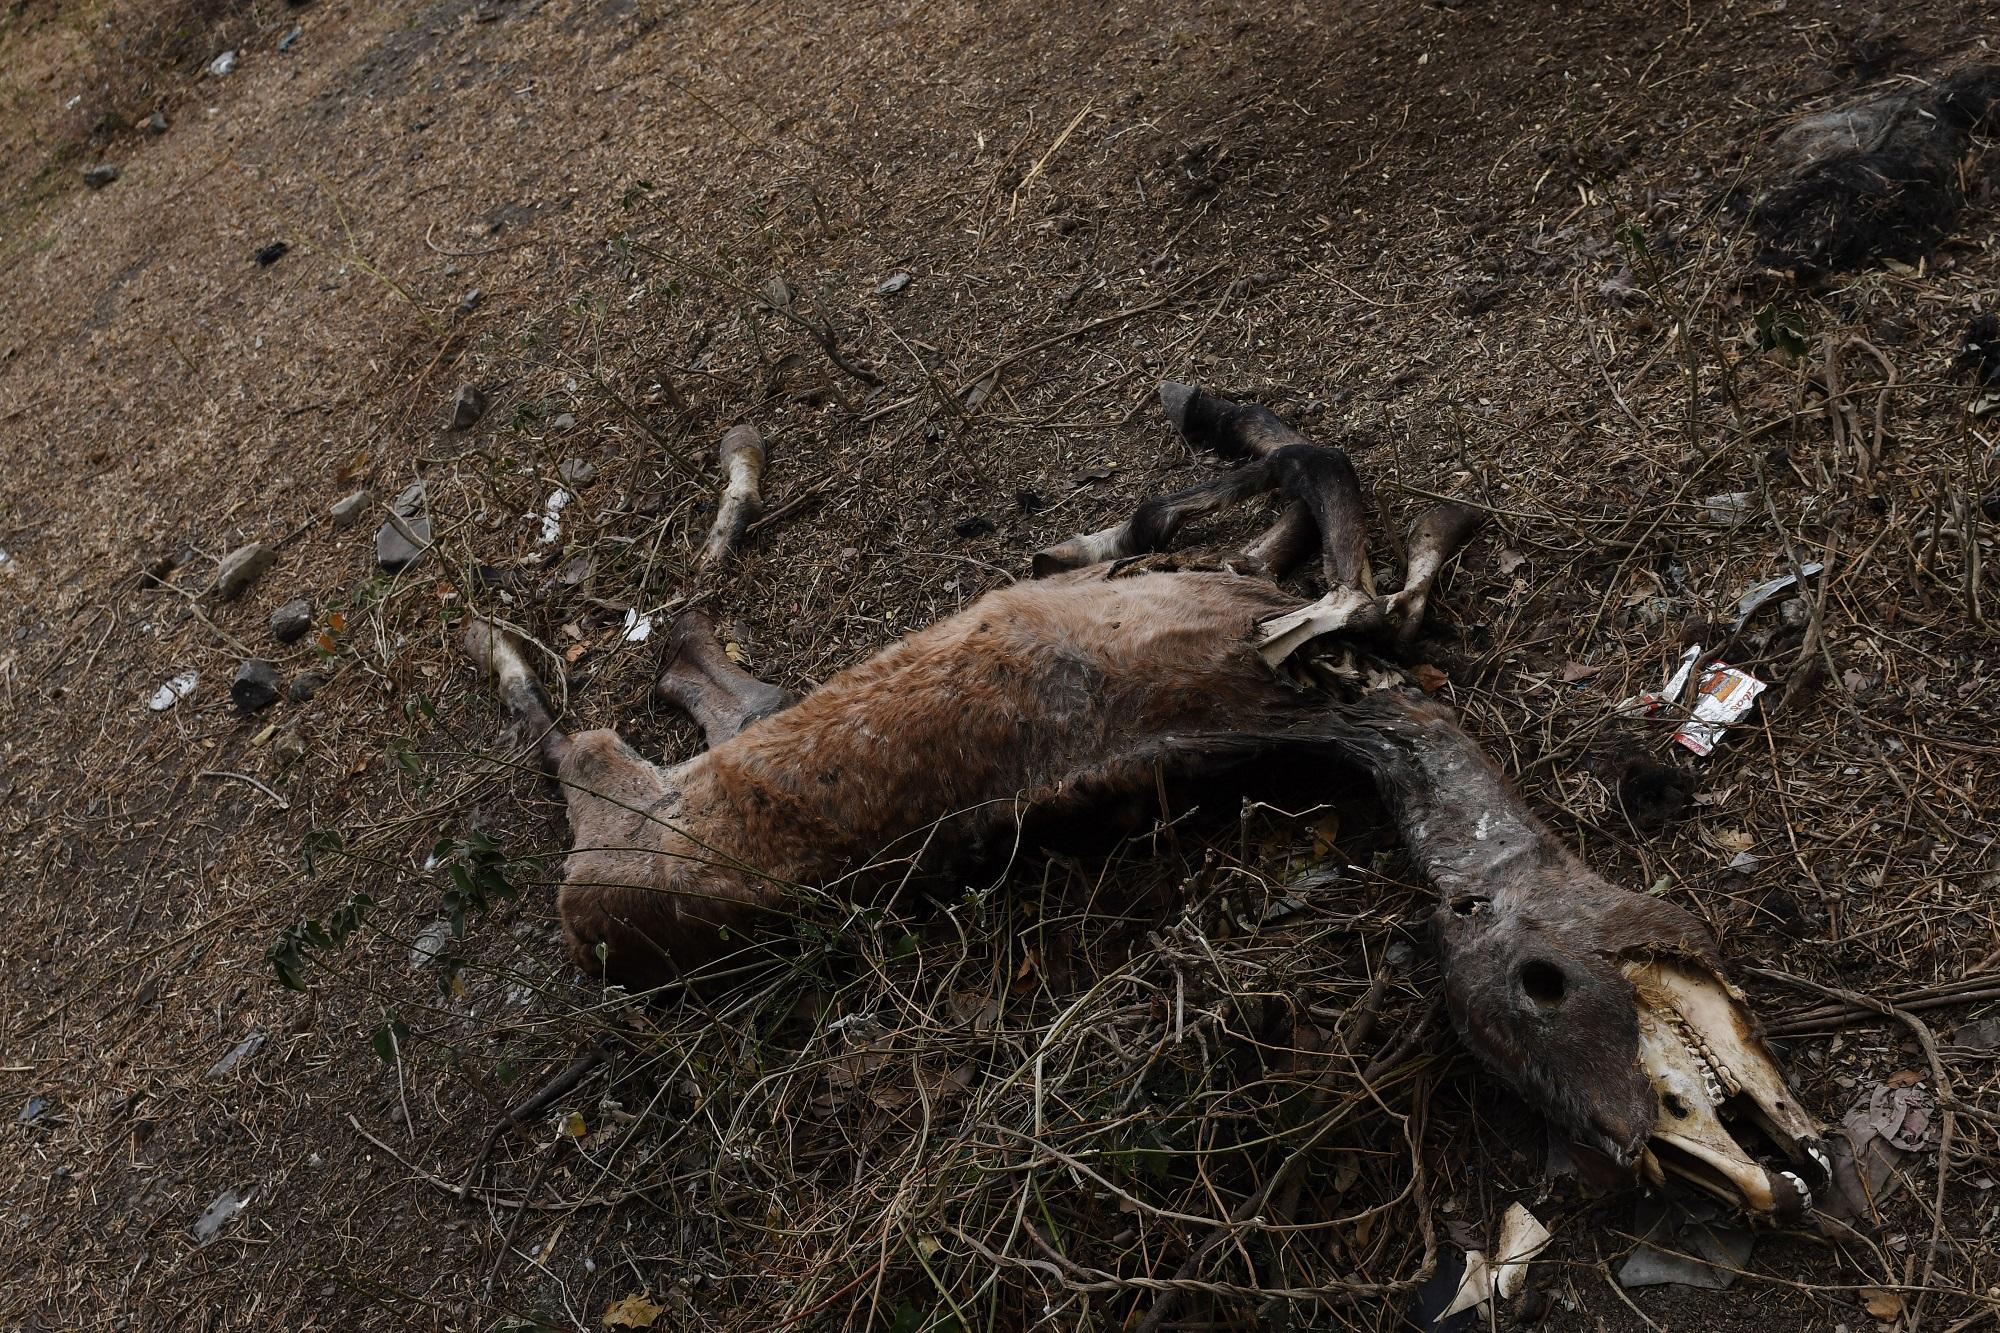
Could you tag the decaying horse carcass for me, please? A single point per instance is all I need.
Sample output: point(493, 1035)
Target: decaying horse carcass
point(1607, 1009)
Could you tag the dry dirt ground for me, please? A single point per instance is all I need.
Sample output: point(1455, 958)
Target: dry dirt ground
point(1473, 243)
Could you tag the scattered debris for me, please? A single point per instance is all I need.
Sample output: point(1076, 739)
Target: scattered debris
point(633, 1312)
point(1981, 1035)
point(155, 124)
point(977, 525)
point(101, 175)
point(36, 1107)
point(1030, 502)
point(575, 473)
point(177, 688)
point(1731, 509)
point(892, 284)
point(241, 568)
point(468, 407)
point(268, 255)
point(219, 1215)
point(291, 38)
point(1522, 1237)
point(564, 421)
point(237, 1054)
point(1979, 350)
point(223, 65)
point(1891, 1121)
point(638, 628)
point(470, 301)
point(1695, 1244)
point(1725, 697)
point(402, 541)
point(552, 517)
point(1876, 179)
point(1758, 594)
point(1653, 795)
point(255, 685)
point(290, 622)
point(349, 511)
point(305, 686)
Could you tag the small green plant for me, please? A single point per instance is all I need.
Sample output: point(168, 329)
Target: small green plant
point(1780, 330)
point(478, 872)
point(297, 942)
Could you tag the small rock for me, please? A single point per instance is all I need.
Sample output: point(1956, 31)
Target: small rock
point(36, 1108)
point(223, 65)
point(237, 1054)
point(290, 622)
point(470, 301)
point(1030, 502)
point(155, 123)
point(289, 745)
point(976, 526)
point(1793, 613)
point(574, 571)
point(346, 513)
point(429, 944)
point(99, 176)
point(290, 39)
point(219, 1214)
point(576, 473)
point(241, 568)
point(564, 421)
point(304, 687)
point(255, 685)
point(271, 254)
point(892, 284)
point(468, 407)
point(401, 541)
point(175, 690)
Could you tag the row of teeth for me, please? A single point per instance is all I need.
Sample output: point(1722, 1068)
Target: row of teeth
point(1716, 1079)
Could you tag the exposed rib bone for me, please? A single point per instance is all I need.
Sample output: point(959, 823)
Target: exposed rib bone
point(743, 469)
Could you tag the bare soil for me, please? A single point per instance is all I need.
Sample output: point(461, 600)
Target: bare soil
point(1472, 243)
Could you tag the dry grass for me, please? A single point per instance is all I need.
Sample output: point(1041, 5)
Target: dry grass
point(1470, 248)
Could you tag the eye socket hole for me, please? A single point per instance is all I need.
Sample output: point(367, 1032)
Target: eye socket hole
point(1469, 905)
point(1543, 983)
point(1675, 1106)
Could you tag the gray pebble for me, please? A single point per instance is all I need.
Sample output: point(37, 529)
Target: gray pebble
point(468, 407)
point(348, 512)
point(305, 686)
point(155, 123)
point(99, 176)
point(290, 622)
point(241, 568)
point(576, 473)
point(470, 301)
point(564, 421)
point(401, 541)
point(255, 685)
point(892, 284)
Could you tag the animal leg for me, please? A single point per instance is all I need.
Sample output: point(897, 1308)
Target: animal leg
point(720, 696)
point(1437, 537)
point(1154, 523)
point(743, 470)
point(497, 655)
point(1323, 481)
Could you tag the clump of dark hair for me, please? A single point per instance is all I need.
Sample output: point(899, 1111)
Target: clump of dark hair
point(1875, 179)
